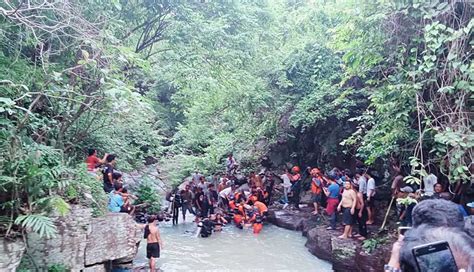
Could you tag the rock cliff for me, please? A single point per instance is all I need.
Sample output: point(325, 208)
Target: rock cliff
point(83, 241)
point(344, 254)
point(11, 252)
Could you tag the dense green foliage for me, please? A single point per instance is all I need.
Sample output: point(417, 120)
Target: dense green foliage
point(189, 81)
point(148, 196)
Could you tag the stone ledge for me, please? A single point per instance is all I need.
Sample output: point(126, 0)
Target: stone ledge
point(344, 254)
point(83, 241)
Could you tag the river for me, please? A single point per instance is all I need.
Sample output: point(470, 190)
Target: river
point(274, 249)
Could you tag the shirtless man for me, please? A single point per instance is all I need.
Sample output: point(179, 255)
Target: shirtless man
point(397, 182)
point(348, 204)
point(154, 242)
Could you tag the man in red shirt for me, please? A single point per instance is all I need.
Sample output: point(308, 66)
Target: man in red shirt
point(92, 161)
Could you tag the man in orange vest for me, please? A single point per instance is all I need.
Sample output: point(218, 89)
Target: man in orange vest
point(316, 185)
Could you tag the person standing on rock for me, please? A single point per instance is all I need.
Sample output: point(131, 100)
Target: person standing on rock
point(154, 242)
point(316, 185)
point(332, 194)
point(360, 214)
point(295, 178)
point(370, 198)
point(286, 187)
point(348, 204)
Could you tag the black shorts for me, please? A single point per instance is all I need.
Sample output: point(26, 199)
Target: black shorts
point(316, 198)
point(153, 250)
point(347, 217)
point(108, 187)
point(124, 209)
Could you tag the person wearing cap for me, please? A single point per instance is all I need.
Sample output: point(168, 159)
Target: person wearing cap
point(402, 193)
point(407, 200)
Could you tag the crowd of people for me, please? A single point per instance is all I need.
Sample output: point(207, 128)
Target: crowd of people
point(120, 200)
point(220, 200)
point(231, 198)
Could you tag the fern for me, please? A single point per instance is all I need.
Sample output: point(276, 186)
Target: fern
point(5, 220)
point(38, 223)
point(59, 205)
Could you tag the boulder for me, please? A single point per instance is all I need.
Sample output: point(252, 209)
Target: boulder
point(68, 247)
point(286, 219)
point(291, 219)
point(84, 241)
point(11, 253)
point(112, 237)
point(95, 268)
point(319, 243)
point(344, 254)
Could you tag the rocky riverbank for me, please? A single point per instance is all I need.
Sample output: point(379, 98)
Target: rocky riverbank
point(83, 243)
point(344, 254)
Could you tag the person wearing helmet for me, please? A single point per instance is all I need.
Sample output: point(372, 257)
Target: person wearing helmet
point(316, 185)
point(295, 170)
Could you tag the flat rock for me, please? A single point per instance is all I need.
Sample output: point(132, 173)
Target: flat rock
point(344, 254)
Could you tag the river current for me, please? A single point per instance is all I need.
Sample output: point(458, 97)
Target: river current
point(274, 249)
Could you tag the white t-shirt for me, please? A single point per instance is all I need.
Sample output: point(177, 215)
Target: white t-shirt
point(225, 192)
point(203, 186)
point(429, 183)
point(371, 187)
point(286, 181)
point(196, 177)
point(363, 185)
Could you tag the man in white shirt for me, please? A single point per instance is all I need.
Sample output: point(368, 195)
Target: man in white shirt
point(370, 198)
point(225, 195)
point(286, 188)
point(203, 185)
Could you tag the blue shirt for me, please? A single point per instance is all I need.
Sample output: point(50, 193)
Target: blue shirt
point(333, 191)
point(115, 202)
point(462, 210)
